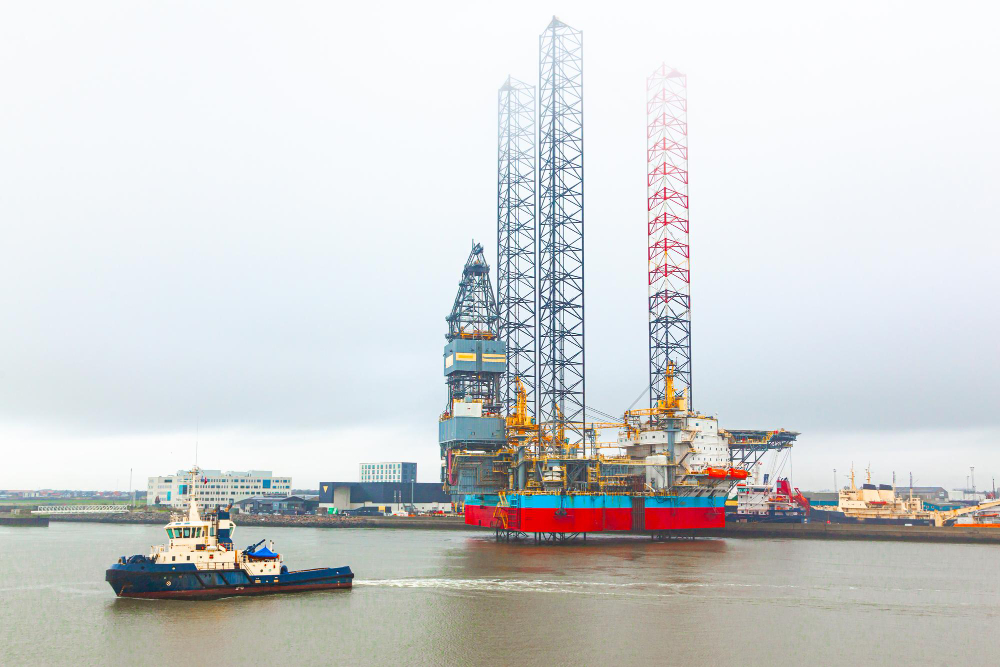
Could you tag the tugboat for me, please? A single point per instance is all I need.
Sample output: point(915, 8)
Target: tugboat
point(199, 562)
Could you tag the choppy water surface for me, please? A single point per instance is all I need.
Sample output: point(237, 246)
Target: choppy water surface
point(457, 598)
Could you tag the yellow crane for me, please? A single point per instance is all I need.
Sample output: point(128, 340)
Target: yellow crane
point(947, 515)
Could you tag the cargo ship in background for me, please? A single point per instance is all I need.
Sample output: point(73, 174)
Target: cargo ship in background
point(777, 503)
point(875, 504)
point(987, 518)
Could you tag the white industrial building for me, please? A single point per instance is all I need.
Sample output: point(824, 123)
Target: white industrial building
point(215, 487)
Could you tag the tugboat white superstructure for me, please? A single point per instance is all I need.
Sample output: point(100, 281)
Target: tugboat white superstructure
point(200, 561)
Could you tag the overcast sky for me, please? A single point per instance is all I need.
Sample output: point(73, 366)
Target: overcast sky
point(243, 224)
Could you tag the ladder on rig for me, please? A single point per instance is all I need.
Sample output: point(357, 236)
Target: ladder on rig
point(638, 513)
point(507, 516)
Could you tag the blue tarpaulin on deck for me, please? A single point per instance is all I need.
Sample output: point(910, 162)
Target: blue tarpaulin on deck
point(263, 552)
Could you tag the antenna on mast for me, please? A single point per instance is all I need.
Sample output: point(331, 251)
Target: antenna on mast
point(193, 502)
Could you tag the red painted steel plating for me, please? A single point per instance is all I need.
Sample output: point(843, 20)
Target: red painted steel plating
point(587, 520)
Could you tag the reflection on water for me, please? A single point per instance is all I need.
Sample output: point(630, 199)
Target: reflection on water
point(444, 597)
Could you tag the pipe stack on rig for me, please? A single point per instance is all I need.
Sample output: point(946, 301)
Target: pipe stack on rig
point(519, 352)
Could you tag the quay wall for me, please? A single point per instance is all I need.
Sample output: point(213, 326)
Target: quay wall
point(303, 521)
point(858, 531)
point(822, 531)
point(23, 520)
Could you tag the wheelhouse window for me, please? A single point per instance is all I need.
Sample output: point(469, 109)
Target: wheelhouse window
point(170, 533)
point(187, 532)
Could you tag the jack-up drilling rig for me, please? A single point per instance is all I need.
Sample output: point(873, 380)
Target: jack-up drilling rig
point(668, 468)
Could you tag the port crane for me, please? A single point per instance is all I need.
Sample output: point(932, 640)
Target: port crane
point(943, 516)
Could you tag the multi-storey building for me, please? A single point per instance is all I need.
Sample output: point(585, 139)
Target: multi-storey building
point(215, 487)
point(389, 472)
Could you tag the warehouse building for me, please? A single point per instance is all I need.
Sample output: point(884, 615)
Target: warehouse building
point(822, 499)
point(289, 505)
point(396, 496)
point(931, 493)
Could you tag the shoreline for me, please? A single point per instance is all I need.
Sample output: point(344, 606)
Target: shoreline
point(300, 521)
point(813, 531)
point(24, 520)
point(858, 531)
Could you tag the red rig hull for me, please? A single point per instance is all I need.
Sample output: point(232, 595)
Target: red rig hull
point(554, 513)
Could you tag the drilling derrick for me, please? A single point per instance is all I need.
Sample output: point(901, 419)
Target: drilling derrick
point(516, 278)
point(560, 234)
point(474, 363)
point(669, 269)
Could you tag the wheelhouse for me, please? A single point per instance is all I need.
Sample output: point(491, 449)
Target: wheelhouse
point(190, 530)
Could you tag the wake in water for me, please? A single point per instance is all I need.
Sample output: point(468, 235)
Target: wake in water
point(822, 596)
point(75, 588)
point(638, 589)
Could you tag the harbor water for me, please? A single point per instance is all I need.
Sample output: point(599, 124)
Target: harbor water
point(430, 597)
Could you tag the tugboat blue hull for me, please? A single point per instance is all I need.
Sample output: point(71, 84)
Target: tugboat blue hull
point(185, 582)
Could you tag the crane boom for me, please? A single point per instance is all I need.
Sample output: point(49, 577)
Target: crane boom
point(947, 515)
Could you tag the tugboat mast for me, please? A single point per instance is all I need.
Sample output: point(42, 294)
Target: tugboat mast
point(193, 509)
